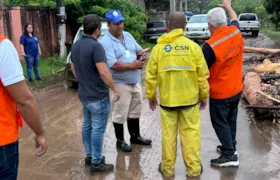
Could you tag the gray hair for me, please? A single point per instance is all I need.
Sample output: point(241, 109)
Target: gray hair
point(217, 17)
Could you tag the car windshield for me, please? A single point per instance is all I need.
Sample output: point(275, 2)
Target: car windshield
point(248, 17)
point(155, 25)
point(198, 19)
point(81, 32)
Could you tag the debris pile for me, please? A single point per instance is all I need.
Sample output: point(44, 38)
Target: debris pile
point(262, 83)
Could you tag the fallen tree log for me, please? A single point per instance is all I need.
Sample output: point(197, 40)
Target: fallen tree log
point(267, 66)
point(269, 97)
point(252, 87)
point(261, 50)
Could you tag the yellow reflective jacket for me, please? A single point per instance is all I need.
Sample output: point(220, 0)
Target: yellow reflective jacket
point(178, 67)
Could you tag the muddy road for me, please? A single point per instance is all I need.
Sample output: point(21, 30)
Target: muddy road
point(258, 143)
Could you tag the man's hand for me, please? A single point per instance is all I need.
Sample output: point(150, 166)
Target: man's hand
point(116, 95)
point(143, 57)
point(203, 105)
point(23, 54)
point(41, 141)
point(153, 104)
point(138, 64)
point(226, 4)
point(230, 12)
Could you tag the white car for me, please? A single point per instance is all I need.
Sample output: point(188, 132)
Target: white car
point(248, 22)
point(70, 79)
point(197, 28)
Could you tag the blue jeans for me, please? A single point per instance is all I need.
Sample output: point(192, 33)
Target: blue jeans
point(223, 114)
point(32, 62)
point(96, 116)
point(9, 161)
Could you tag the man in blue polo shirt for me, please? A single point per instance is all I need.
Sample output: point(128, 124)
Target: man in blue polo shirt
point(121, 52)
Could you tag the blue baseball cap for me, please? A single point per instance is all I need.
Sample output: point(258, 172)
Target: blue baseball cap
point(115, 16)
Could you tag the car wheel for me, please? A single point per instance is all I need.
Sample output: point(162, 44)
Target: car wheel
point(257, 33)
point(253, 34)
point(70, 84)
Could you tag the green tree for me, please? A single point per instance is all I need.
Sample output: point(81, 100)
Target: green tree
point(247, 6)
point(198, 6)
point(240, 6)
point(273, 8)
point(135, 19)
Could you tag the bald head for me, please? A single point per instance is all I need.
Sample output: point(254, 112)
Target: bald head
point(177, 20)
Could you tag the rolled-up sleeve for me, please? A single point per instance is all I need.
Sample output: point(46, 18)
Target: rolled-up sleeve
point(109, 51)
point(10, 68)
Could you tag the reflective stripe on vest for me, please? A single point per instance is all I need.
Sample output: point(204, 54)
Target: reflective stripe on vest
point(225, 38)
point(10, 118)
point(226, 73)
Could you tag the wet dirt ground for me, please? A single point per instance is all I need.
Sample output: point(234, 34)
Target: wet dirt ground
point(258, 143)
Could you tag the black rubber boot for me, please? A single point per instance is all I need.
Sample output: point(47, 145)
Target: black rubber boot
point(121, 144)
point(134, 131)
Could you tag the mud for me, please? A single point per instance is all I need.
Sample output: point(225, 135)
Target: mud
point(262, 41)
point(258, 145)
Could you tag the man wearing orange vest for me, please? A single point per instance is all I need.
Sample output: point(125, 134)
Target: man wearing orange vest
point(16, 101)
point(224, 53)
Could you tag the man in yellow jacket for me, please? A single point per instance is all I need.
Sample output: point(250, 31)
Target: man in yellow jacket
point(177, 66)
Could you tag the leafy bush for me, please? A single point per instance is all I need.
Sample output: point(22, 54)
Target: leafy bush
point(135, 19)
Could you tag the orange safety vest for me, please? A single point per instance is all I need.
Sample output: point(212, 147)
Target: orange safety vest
point(226, 73)
point(10, 118)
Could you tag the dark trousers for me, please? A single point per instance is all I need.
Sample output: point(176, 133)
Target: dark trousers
point(9, 161)
point(223, 114)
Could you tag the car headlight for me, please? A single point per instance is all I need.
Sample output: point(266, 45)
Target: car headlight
point(205, 29)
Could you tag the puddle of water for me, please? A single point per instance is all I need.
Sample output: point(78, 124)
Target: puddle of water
point(258, 146)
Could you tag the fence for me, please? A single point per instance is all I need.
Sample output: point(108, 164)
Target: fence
point(42, 19)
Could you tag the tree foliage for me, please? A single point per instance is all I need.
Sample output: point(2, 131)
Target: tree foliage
point(273, 8)
point(241, 6)
point(135, 19)
point(198, 6)
point(49, 3)
point(246, 6)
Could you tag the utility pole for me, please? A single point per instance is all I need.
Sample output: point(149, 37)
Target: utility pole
point(172, 6)
point(61, 20)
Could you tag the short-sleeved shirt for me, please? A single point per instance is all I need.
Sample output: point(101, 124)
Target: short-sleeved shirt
point(116, 51)
point(85, 53)
point(10, 68)
point(30, 45)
